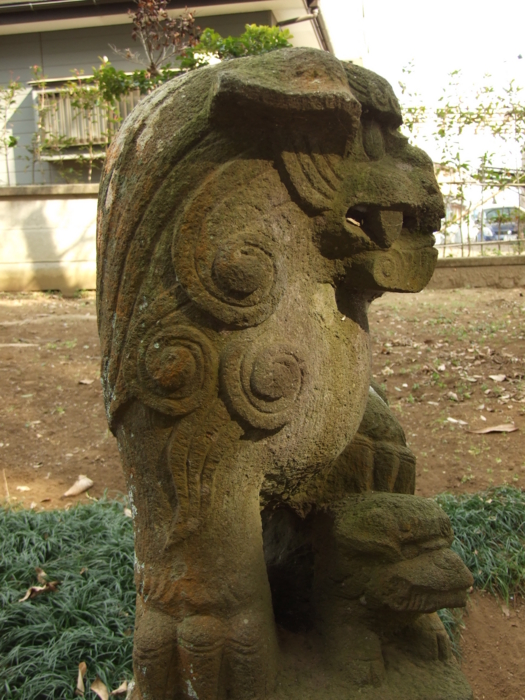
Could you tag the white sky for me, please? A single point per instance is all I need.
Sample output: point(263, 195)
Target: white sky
point(478, 36)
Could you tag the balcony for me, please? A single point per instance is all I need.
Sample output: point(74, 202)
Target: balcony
point(74, 122)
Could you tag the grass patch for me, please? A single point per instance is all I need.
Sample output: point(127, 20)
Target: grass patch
point(453, 623)
point(490, 537)
point(90, 618)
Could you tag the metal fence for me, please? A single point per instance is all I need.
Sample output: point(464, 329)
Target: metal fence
point(468, 249)
point(483, 218)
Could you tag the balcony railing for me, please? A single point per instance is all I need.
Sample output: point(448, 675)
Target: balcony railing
point(73, 127)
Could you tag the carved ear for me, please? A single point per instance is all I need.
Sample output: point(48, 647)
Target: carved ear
point(293, 87)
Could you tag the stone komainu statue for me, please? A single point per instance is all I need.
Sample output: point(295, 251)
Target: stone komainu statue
point(248, 215)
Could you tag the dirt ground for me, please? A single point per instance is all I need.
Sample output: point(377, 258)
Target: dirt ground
point(452, 362)
point(493, 648)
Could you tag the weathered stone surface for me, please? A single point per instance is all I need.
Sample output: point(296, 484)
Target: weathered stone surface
point(248, 215)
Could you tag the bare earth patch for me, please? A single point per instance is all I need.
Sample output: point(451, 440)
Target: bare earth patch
point(493, 648)
point(452, 362)
point(53, 427)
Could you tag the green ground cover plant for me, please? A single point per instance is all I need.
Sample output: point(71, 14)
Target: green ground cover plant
point(89, 550)
point(490, 537)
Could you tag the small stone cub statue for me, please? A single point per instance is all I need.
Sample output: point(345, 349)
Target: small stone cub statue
point(249, 213)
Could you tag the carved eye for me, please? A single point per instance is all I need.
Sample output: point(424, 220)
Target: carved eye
point(373, 139)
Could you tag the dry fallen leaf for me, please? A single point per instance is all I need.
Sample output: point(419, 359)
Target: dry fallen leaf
point(82, 670)
point(41, 575)
point(100, 689)
point(86, 381)
point(452, 396)
point(23, 488)
point(83, 483)
point(456, 420)
point(505, 428)
point(123, 688)
point(505, 610)
point(128, 513)
point(33, 591)
point(498, 377)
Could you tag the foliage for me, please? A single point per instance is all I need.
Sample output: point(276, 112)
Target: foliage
point(98, 117)
point(489, 530)
point(255, 40)
point(498, 113)
point(115, 84)
point(97, 100)
point(89, 549)
point(163, 38)
point(483, 115)
point(7, 140)
point(452, 620)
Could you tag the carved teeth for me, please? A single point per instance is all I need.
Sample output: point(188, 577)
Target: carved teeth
point(383, 226)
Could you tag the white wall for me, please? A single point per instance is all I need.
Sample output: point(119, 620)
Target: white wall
point(47, 238)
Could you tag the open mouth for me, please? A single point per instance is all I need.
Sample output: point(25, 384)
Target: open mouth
point(384, 226)
point(399, 253)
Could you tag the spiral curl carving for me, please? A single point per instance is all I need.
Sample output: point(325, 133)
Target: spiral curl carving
point(225, 253)
point(263, 385)
point(237, 282)
point(177, 369)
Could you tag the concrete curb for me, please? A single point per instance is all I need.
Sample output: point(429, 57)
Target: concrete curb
point(500, 272)
point(76, 190)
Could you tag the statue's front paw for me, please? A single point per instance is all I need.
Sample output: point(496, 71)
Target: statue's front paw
point(377, 465)
point(378, 458)
point(203, 656)
point(352, 652)
point(426, 638)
